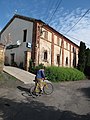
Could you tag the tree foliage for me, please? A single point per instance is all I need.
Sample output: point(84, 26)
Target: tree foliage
point(82, 57)
point(87, 57)
point(87, 65)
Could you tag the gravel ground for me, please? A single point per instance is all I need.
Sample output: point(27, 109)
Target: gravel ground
point(69, 101)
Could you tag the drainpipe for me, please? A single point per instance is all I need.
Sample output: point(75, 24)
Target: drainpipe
point(34, 47)
point(52, 50)
point(61, 49)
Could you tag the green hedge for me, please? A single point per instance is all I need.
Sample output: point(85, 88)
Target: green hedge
point(34, 69)
point(56, 74)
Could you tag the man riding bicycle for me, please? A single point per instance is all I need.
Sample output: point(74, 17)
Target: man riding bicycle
point(40, 77)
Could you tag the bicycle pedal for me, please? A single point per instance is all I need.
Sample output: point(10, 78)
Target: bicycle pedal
point(36, 95)
point(39, 94)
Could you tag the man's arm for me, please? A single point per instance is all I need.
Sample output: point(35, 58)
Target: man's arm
point(43, 74)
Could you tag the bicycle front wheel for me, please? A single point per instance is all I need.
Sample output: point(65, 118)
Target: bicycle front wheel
point(48, 88)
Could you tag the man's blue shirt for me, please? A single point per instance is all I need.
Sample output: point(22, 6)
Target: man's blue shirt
point(40, 74)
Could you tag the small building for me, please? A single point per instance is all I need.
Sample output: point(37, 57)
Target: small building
point(32, 39)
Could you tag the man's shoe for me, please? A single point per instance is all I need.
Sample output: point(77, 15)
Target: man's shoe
point(41, 92)
point(34, 93)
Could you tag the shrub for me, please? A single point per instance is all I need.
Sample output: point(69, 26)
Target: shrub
point(21, 65)
point(14, 64)
point(87, 71)
point(54, 74)
point(33, 69)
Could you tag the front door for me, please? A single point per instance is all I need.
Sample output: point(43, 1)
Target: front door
point(12, 58)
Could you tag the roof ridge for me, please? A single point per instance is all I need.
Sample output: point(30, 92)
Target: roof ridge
point(33, 20)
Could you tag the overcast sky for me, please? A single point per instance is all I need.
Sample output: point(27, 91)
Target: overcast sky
point(69, 17)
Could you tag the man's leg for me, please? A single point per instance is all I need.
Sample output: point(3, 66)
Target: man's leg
point(35, 88)
point(40, 82)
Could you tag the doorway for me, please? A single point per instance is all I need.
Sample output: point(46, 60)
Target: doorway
point(12, 58)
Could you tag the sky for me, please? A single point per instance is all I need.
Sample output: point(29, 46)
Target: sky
point(69, 17)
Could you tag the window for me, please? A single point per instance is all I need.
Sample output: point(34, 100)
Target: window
point(66, 45)
point(24, 35)
point(66, 60)
point(45, 55)
point(74, 50)
point(58, 41)
point(46, 34)
point(58, 59)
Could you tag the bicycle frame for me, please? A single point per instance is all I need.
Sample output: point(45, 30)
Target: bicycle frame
point(47, 88)
point(43, 83)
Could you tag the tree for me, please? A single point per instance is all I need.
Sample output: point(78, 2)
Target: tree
point(87, 57)
point(82, 57)
point(87, 65)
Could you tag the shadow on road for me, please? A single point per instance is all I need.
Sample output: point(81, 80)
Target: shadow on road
point(86, 91)
point(33, 110)
point(23, 88)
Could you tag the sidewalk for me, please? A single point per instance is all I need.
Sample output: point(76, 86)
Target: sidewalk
point(20, 74)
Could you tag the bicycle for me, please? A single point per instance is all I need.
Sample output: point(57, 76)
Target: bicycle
point(47, 89)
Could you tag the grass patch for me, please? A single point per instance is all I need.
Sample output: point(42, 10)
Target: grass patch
point(9, 81)
point(5, 76)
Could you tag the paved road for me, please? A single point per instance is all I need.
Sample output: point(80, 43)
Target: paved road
point(69, 101)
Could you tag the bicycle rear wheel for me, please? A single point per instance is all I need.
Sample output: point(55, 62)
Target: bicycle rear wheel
point(48, 88)
point(32, 91)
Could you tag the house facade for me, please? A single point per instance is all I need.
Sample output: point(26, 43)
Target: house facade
point(32, 39)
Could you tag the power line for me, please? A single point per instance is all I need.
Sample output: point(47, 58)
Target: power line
point(73, 38)
point(77, 21)
point(54, 4)
point(77, 39)
point(58, 4)
point(47, 10)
